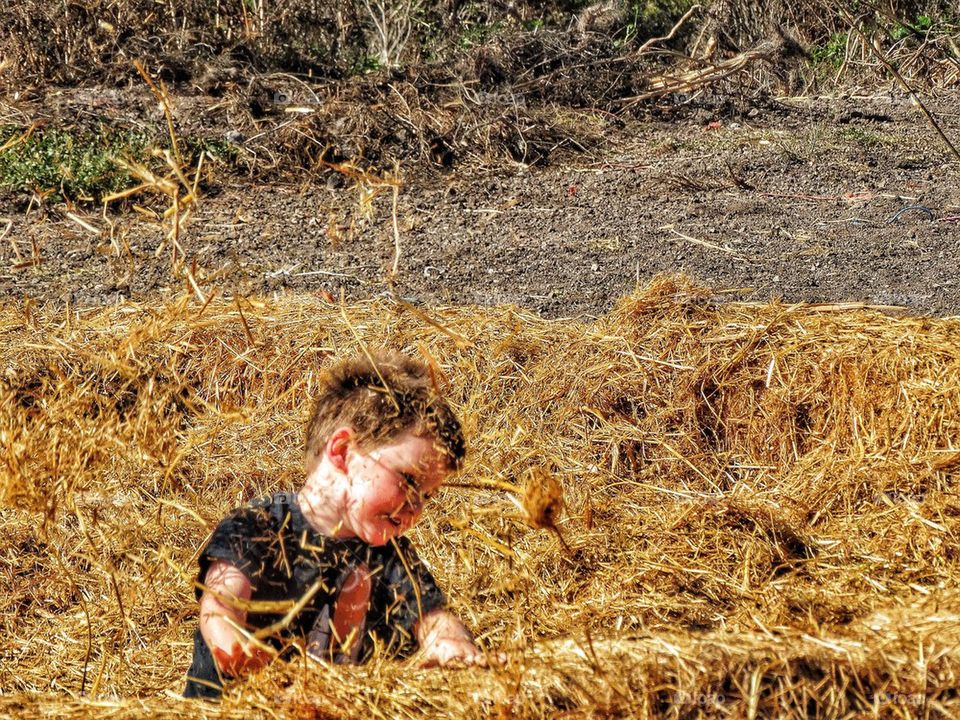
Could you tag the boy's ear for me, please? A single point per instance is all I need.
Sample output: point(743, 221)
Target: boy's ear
point(337, 447)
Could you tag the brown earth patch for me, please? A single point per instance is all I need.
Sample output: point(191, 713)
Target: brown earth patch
point(843, 199)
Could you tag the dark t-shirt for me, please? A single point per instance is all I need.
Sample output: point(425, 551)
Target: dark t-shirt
point(284, 558)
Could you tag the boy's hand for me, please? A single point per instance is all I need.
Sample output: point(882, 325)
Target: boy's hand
point(444, 640)
point(240, 659)
point(452, 651)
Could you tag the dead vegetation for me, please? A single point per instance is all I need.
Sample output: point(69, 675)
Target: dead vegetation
point(294, 85)
point(759, 512)
point(208, 42)
point(753, 507)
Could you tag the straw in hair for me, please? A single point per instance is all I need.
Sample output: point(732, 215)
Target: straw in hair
point(382, 396)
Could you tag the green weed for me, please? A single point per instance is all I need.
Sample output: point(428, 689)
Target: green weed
point(366, 64)
point(832, 52)
point(865, 137)
point(67, 164)
point(478, 34)
point(83, 166)
point(219, 149)
point(921, 26)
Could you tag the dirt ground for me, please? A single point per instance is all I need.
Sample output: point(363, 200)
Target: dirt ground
point(825, 200)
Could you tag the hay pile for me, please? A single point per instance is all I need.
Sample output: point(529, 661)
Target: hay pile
point(761, 505)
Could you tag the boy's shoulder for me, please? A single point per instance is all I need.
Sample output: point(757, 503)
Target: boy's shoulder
point(251, 528)
point(276, 506)
point(264, 538)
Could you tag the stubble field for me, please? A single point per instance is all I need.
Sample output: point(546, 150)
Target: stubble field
point(757, 459)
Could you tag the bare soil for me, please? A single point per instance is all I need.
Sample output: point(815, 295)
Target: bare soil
point(824, 200)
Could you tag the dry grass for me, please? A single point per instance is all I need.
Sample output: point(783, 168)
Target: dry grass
point(760, 517)
point(515, 82)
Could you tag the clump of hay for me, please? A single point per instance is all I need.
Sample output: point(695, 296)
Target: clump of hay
point(759, 504)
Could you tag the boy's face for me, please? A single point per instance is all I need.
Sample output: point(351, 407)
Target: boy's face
point(389, 485)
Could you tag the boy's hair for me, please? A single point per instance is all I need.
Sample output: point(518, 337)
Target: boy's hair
point(380, 400)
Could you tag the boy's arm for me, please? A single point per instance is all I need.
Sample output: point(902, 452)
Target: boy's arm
point(234, 655)
point(444, 640)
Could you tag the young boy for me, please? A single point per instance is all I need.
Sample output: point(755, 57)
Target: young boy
point(329, 568)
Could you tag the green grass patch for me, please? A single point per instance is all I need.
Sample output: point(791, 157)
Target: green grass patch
point(220, 150)
point(832, 52)
point(921, 25)
point(84, 166)
point(67, 164)
point(866, 138)
point(477, 34)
